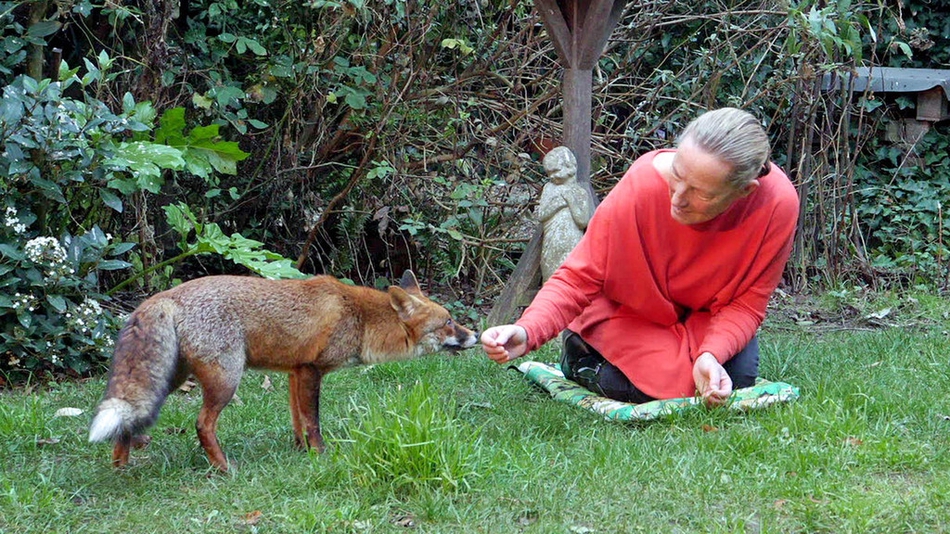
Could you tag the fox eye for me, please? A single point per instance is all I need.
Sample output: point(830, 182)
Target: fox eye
point(448, 322)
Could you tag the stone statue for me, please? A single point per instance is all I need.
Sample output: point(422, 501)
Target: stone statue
point(564, 210)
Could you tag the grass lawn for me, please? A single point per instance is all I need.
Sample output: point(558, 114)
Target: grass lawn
point(459, 444)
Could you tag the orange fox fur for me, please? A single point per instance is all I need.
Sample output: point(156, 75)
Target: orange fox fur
point(214, 327)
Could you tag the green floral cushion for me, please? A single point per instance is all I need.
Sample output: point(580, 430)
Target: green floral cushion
point(763, 393)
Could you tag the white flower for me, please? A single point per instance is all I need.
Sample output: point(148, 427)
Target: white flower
point(11, 220)
point(45, 250)
point(85, 317)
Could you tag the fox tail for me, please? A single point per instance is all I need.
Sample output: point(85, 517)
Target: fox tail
point(145, 367)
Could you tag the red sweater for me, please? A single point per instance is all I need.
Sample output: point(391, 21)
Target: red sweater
point(652, 294)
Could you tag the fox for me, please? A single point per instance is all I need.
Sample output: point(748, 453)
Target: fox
point(214, 327)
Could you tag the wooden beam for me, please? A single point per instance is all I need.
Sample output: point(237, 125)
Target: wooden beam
point(556, 25)
point(525, 275)
point(599, 23)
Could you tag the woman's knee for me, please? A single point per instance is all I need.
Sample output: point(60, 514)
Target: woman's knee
point(743, 368)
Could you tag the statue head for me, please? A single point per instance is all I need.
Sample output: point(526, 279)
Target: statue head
point(560, 165)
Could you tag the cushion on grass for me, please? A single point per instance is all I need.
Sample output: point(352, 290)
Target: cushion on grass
point(763, 393)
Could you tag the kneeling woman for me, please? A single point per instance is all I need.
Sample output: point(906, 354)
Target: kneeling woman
point(664, 294)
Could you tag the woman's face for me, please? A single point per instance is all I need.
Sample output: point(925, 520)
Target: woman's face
point(699, 185)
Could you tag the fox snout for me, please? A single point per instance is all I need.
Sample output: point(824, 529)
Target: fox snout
point(460, 338)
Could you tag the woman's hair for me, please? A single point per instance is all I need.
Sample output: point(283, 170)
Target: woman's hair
point(735, 137)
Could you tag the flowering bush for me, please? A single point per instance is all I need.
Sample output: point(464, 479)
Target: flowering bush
point(51, 316)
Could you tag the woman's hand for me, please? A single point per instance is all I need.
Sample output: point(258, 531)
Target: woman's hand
point(712, 380)
point(505, 343)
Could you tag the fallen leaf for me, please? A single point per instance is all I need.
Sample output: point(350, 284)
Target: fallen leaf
point(253, 518)
point(406, 521)
point(187, 386)
point(42, 442)
point(528, 518)
point(710, 428)
point(880, 314)
point(266, 385)
point(67, 412)
point(779, 504)
point(853, 441)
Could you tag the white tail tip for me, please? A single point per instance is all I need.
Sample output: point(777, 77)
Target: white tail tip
point(108, 422)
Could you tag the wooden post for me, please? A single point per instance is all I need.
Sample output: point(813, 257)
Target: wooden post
point(576, 88)
point(579, 30)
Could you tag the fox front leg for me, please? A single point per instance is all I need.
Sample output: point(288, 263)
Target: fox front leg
point(305, 404)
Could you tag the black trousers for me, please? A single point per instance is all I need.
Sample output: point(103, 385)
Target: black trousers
point(584, 365)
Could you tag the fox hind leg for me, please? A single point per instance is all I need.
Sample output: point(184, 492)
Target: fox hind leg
point(120, 451)
point(218, 383)
point(305, 394)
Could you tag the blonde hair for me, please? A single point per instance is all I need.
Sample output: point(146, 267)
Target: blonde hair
point(734, 136)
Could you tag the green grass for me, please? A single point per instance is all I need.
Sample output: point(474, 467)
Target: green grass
point(459, 444)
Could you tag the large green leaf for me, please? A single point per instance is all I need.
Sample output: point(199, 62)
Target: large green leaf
point(145, 161)
point(202, 150)
point(171, 128)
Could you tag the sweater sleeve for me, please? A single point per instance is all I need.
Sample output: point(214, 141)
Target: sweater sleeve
point(733, 324)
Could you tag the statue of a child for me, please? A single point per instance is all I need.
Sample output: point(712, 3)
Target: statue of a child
point(564, 210)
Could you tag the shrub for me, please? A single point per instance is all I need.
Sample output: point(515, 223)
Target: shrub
point(52, 317)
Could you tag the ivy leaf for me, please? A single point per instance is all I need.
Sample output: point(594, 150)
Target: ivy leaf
point(255, 47)
point(356, 100)
point(201, 101)
point(224, 94)
point(43, 28)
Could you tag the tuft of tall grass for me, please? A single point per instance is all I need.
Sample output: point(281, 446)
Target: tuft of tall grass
point(415, 441)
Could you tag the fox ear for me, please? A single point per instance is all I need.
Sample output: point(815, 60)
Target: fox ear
point(401, 301)
point(409, 283)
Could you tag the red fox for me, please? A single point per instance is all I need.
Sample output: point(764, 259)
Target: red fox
point(214, 327)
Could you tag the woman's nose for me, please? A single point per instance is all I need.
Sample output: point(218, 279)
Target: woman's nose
point(678, 196)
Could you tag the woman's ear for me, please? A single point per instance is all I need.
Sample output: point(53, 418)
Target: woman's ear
point(748, 188)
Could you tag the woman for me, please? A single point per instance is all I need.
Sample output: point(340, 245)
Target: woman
point(663, 295)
